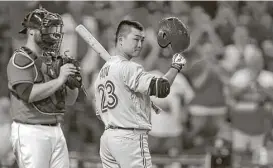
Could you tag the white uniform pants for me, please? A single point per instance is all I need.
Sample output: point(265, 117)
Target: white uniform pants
point(37, 146)
point(125, 149)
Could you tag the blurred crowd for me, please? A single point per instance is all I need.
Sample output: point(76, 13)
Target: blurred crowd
point(225, 93)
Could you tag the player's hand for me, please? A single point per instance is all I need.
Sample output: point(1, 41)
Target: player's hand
point(66, 70)
point(178, 61)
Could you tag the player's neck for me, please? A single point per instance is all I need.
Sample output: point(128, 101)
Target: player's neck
point(122, 54)
point(34, 48)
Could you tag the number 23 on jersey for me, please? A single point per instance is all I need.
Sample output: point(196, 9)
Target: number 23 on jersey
point(109, 99)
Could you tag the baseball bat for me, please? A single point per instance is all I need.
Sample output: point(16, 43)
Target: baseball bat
point(93, 43)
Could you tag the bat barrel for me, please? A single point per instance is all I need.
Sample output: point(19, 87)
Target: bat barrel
point(92, 41)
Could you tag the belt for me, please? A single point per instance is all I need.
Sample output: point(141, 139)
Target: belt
point(50, 125)
point(131, 129)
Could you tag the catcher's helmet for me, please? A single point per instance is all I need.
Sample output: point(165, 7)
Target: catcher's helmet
point(50, 26)
point(174, 32)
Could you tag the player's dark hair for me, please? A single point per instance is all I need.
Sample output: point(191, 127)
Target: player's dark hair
point(125, 26)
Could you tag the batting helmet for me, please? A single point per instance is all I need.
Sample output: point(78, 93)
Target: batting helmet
point(50, 26)
point(174, 32)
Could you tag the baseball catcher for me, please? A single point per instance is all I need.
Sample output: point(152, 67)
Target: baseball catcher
point(41, 81)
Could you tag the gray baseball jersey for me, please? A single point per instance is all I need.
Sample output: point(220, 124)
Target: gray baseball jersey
point(122, 94)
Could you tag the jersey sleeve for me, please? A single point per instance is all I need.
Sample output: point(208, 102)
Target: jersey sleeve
point(134, 77)
point(20, 69)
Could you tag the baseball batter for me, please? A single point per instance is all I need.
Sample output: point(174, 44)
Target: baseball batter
point(37, 101)
point(122, 93)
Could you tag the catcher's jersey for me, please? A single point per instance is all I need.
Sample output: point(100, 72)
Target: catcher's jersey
point(23, 67)
point(122, 94)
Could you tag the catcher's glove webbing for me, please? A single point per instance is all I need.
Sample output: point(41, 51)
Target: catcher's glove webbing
point(53, 70)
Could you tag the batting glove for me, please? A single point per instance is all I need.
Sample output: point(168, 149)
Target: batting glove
point(178, 61)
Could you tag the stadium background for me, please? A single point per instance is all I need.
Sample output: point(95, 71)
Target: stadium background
point(216, 27)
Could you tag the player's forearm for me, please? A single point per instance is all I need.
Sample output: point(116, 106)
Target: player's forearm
point(71, 96)
point(44, 90)
point(170, 75)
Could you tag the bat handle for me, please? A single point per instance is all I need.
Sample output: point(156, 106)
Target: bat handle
point(156, 108)
point(84, 90)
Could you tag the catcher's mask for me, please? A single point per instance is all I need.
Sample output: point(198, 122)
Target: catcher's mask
point(173, 31)
point(50, 26)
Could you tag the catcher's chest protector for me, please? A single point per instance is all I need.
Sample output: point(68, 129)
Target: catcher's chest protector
point(55, 104)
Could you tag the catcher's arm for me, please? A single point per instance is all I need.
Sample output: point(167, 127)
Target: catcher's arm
point(22, 79)
point(44, 90)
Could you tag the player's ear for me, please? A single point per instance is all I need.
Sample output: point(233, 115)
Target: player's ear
point(120, 39)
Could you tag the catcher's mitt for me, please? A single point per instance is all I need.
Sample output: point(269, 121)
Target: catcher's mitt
point(53, 70)
point(174, 32)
